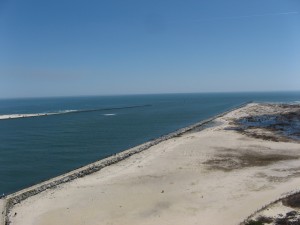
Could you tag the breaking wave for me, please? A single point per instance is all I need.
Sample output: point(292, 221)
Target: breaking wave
point(19, 116)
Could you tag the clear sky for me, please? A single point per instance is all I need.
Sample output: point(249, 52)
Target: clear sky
point(104, 47)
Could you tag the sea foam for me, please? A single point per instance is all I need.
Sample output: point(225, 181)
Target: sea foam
point(26, 115)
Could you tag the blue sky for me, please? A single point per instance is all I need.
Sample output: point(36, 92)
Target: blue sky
point(75, 47)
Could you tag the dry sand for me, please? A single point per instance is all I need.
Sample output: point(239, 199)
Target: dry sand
point(2, 206)
point(215, 176)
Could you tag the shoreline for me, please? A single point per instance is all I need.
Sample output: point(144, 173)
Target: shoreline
point(12, 199)
point(197, 175)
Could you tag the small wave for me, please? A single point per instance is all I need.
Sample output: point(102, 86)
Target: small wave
point(67, 111)
point(109, 114)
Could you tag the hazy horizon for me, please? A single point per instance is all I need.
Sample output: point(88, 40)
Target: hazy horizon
point(165, 93)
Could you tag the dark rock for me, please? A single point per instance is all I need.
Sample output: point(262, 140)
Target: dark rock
point(292, 201)
point(291, 214)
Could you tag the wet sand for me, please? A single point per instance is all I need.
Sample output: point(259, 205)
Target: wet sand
point(219, 175)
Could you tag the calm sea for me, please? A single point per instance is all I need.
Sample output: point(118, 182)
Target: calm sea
point(80, 130)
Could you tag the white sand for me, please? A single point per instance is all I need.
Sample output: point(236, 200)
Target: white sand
point(1, 212)
point(171, 183)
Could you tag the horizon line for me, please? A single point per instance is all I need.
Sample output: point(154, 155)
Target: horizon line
point(134, 94)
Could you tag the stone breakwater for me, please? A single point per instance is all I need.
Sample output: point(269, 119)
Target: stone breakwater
point(17, 197)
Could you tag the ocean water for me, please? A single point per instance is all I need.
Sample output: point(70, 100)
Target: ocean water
point(44, 137)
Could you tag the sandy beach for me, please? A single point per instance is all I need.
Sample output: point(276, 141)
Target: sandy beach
point(219, 175)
